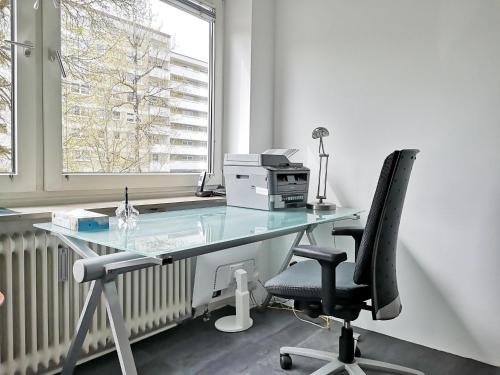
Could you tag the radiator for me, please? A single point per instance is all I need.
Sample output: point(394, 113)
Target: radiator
point(43, 303)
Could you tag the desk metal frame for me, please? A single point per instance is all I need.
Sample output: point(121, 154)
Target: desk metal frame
point(124, 262)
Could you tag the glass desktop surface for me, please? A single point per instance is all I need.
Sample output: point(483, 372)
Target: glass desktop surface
point(161, 233)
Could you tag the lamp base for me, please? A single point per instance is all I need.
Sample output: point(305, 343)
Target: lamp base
point(321, 206)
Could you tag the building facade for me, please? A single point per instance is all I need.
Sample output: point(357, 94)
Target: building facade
point(137, 106)
point(189, 111)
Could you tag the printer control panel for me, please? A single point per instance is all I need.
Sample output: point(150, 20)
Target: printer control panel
point(281, 201)
point(293, 198)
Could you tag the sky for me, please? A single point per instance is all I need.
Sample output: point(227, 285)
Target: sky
point(189, 33)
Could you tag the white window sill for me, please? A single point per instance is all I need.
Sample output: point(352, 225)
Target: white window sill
point(143, 205)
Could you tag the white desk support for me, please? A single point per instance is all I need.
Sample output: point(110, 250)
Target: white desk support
point(102, 270)
point(241, 321)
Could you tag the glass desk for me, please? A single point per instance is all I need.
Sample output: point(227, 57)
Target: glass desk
point(163, 237)
point(186, 233)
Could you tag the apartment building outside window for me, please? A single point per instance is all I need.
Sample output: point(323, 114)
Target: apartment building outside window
point(127, 52)
point(119, 106)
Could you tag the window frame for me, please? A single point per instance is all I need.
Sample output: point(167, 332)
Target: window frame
point(56, 180)
point(26, 71)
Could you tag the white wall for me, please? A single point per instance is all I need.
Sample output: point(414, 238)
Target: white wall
point(262, 79)
point(389, 74)
point(237, 68)
point(249, 89)
point(248, 75)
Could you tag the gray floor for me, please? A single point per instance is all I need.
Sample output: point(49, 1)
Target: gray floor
point(195, 347)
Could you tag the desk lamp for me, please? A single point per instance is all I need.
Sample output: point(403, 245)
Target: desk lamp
point(321, 132)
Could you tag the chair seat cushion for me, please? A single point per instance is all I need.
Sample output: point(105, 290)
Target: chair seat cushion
point(303, 281)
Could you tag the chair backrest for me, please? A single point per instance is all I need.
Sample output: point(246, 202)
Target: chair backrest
point(376, 260)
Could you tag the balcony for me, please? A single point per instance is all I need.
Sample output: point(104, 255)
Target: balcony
point(188, 120)
point(189, 105)
point(160, 149)
point(159, 111)
point(160, 73)
point(160, 130)
point(187, 165)
point(191, 135)
point(162, 93)
point(189, 74)
point(162, 54)
point(188, 150)
point(189, 89)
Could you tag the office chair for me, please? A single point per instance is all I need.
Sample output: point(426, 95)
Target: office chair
point(329, 285)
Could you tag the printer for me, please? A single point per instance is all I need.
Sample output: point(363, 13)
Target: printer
point(267, 181)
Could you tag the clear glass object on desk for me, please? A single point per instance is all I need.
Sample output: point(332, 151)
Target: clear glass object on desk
point(127, 215)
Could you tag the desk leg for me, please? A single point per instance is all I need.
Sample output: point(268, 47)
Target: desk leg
point(310, 235)
point(287, 260)
point(115, 317)
point(120, 334)
point(91, 302)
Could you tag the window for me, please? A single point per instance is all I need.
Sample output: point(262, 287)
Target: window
point(130, 117)
point(130, 77)
point(111, 51)
point(100, 48)
point(84, 89)
point(100, 114)
point(119, 45)
point(7, 130)
point(77, 88)
point(81, 155)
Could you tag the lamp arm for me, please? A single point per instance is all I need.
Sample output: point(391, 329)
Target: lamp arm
point(319, 177)
point(321, 132)
point(322, 154)
point(321, 148)
point(326, 175)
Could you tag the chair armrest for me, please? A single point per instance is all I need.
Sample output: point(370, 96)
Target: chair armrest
point(329, 259)
point(322, 254)
point(354, 232)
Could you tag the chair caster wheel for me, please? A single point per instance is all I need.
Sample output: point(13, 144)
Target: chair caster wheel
point(285, 361)
point(357, 352)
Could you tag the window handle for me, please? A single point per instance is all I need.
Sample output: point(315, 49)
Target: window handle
point(27, 45)
point(56, 55)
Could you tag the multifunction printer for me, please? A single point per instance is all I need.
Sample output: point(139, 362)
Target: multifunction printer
point(267, 181)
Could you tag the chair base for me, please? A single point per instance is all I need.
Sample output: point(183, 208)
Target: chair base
point(334, 365)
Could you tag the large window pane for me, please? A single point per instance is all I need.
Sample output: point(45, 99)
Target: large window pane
point(136, 95)
point(6, 90)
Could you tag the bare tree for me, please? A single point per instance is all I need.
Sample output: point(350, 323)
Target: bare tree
point(5, 80)
point(113, 50)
